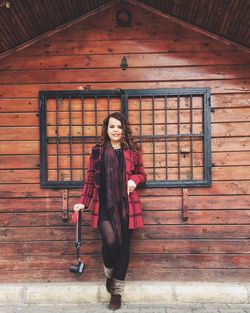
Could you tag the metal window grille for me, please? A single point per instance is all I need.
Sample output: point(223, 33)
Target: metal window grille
point(172, 125)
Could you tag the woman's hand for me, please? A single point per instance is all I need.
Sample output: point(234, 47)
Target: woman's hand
point(131, 186)
point(78, 207)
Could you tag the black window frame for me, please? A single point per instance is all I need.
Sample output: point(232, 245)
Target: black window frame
point(124, 95)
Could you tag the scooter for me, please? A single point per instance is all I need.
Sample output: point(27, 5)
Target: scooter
point(78, 267)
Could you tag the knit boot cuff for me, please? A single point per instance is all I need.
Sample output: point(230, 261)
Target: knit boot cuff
point(117, 286)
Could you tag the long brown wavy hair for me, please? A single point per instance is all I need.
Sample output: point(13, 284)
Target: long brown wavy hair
point(127, 138)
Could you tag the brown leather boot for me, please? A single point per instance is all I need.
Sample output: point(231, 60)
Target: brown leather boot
point(116, 289)
point(115, 302)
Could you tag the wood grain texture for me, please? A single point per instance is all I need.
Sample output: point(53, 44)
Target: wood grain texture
point(213, 244)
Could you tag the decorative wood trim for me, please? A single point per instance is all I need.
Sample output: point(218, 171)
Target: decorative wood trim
point(65, 202)
point(185, 204)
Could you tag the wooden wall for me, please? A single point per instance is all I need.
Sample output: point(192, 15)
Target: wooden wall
point(36, 245)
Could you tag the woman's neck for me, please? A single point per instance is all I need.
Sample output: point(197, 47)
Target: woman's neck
point(116, 145)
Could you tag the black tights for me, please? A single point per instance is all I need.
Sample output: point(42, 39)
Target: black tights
point(114, 255)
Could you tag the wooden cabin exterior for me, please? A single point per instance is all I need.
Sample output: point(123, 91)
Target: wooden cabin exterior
point(213, 243)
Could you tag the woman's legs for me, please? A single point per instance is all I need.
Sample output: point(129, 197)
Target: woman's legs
point(121, 266)
point(110, 246)
point(115, 255)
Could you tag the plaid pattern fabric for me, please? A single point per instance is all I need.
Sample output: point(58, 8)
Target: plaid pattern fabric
point(134, 171)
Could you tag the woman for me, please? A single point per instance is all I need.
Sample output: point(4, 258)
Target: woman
point(115, 170)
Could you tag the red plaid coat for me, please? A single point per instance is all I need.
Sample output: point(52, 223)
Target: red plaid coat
point(134, 171)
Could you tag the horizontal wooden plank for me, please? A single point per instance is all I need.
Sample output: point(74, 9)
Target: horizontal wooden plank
point(204, 217)
point(199, 217)
point(232, 158)
point(160, 261)
point(197, 202)
point(148, 232)
point(108, 31)
point(134, 60)
point(19, 176)
point(230, 129)
point(50, 47)
point(218, 101)
point(19, 119)
point(19, 133)
point(219, 173)
point(32, 133)
point(159, 174)
point(213, 275)
point(219, 116)
point(116, 75)
point(230, 101)
point(193, 261)
point(19, 147)
point(218, 129)
point(18, 161)
point(28, 105)
point(231, 144)
point(218, 159)
point(228, 86)
point(133, 116)
point(230, 115)
point(189, 231)
point(229, 173)
point(159, 116)
point(137, 247)
point(226, 144)
point(158, 203)
point(18, 105)
point(217, 188)
point(30, 190)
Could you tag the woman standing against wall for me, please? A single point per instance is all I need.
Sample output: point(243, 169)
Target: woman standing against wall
point(115, 170)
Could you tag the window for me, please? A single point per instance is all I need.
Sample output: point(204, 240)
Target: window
point(172, 125)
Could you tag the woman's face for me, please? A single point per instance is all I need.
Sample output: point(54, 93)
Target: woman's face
point(114, 131)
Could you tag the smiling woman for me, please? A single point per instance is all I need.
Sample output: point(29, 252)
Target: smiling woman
point(115, 170)
point(115, 132)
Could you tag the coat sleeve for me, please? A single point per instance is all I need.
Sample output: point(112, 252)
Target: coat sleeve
point(138, 175)
point(88, 188)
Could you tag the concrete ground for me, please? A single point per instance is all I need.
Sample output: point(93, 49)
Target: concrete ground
point(139, 297)
point(127, 308)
